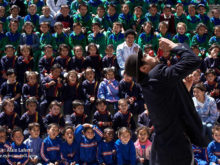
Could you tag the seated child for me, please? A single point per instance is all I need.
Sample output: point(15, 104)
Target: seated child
point(153, 15)
point(8, 118)
point(216, 38)
point(34, 142)
point(46, 16)
point(179, 15)
point(123, 118)
point(59, 35)
point(100, 17)
point(31, 116)
point(54, 116)
point(125, 149)
point(213, 148)
point(32, 16)
point(19, 153)
point(4, 146)
point(69, 148)
point(111, 17)
point(163, 29)
point(106, 148)
point(143, 145)
point(88, 136)
point(144, 119)
point(181, 36)
point(50, 148)
point(78, 116)
point(102, 117)
point(200, 155)
point(215, 20)
point(139, 18)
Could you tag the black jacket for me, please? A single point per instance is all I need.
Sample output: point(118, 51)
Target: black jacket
point(172, 111)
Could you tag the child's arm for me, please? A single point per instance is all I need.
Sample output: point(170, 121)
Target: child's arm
point(210, 150)
point(132, 153)
point(98, 133)
point(78, 133)
point(101, 91)
point(43, 152)
point(118, 153)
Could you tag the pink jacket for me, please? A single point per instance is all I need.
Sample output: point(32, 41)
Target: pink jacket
point(139, 150)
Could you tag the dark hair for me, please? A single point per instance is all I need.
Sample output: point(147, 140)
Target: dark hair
point(199, 26)
point(77, 103)
point(17, 129)
point(70, 72)
point(28, 23)
point(210, 71)
point(77, 24)
point(10, 72)
point(47, 46)
point(138, 7)
point(55, 103)
point(110, 46)
point(21, 47)
point(62, 46)
point(58, 24)
point(52, 125)
point(83, 5)
point(92, 45)
point(167, 6)
point(153, 5)
point(9, 47)
point(2, 129)
point(31, 100)
point(96, 24)
point(143, 128)
point(32, 125)
point(129, 32)
point(100, 101)
point(5, 102)
point(214, 46)
point(216, 127)
point(200, 86)
point(123, 130)
point(66, 128)
point(56, 66)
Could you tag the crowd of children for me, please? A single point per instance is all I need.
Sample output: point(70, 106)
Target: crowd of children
point(64, 99)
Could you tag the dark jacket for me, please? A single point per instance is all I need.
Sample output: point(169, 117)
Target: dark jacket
point(172, 112)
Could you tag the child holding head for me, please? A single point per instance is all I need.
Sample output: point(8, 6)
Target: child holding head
point(181, 36)
point(34, 142)
point(8, 117)
point(54, 115)
point(88, 136)
point(69, 148)
point(125, 149)
point(31, 116)
point(50, 148)
point(4, 145)
point(123, 118)
point(19, 151)
point(214, 146)
point(143, 145)
point(108, 89)
point(78, 116)
point(106, 148)
point(102, 117)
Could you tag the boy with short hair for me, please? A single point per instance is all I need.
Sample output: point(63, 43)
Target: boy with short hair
point(153, 16)
point(32, 16)
point(34, 142)
point(179, 16)
point(100, 17)
point(46, 17)
point(59, 35)
point(138, 18)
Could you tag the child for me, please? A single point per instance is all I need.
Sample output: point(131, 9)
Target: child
point(138, 18)
point(32, 16)
point(78, 60)
point(148, 49)
point(25, 62)
point(98, 38)
point(117, 37)
point(163, 29)
point(108, 89)
point(11, 89)
point(31, 116)
point(65, 18)
point(13, 36)
point(83, 17)
point(192, 20)
point(102, 117)
point(46, 62)
point(2, 18)
point(4, 146)
point(69, 148)
point(32, 88)
point(201, 37)
point(77, 37)
point(167, 59)
point(93, 5)
point(94, 60)
point(212, 86)
point(143, 145)
point(125, 149)
point(181, 36)
point(2, 38)
point(100, 17)
point(90, 89)
point(72, 90)
point(88, 136)
point(106, 148)
point(50, 148)
point(75, 5)
point(111, 17)
point(78, 116)
point(54, 115)
point(45, 36)
point(144, 120)
point(59, 35)
point(52, 85)
point(168, 17)
point(180, 15)
point(215, 20)
point(19, 153)
point(39, 3)
point(8, 118)
point(216, 38)
point(200, 155)
point(123, 118)
point(147, 36)
point(125, 18)
point(153, 16)
point(214, 146)
point(64, 60)
point(34, 143)
point(46, 17)
point(132, 91)
point(9, 60)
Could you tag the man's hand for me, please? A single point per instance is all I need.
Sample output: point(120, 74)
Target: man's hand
point(166, 44)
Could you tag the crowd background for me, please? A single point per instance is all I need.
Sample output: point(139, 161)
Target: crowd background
point(62, 77)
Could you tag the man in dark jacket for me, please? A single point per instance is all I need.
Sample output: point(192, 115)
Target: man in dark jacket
point(172, 112)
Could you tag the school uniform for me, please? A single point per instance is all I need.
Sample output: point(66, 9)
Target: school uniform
point(18, 18)
point(144, 120)
point(46, 39)
point(126, 20)
point(138, 24)
point(4, 148)
point(181, 18)
point(206, 20)
point(8, 62)
point(55, 6)
point(213, 64)
point(110, 20)
point(99, 20)
point(20, 4)
point(213, 150)
point(78, 64)
point(192, 22)
point(76, 119)
point(181, 38)
point(145, 38)
point(34, 19)
point(75, 5)
point(214, 40)
point(45, 65)
point(61, 39)
point(215, 21)
point(79, 39)
point(10, 121)
point(106, 153)
point(13, 38)
point(93, 5)
point(85, 20)
point(2, 41)
point(50, 150)
point(31, 40)
point(66, 21)
point(114, 2)
point(88, 147)
point(65, 62)
point(31, 91)
point(100, 117)
point(200, 155)
point(59, 119)
point(115, 39)
point(18, 154)
point(202, 41)
point(40, 4)
point(154, 19)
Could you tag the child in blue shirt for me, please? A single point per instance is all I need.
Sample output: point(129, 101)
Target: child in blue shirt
point(4, 146)
point(32, 16)
point(216, 38)
point(200, 155)
point(214, 146)
point(215, 20)
point(88, 136)
point(106, 148)
point(125, 149)
point(50, 148)
point(19, 153)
